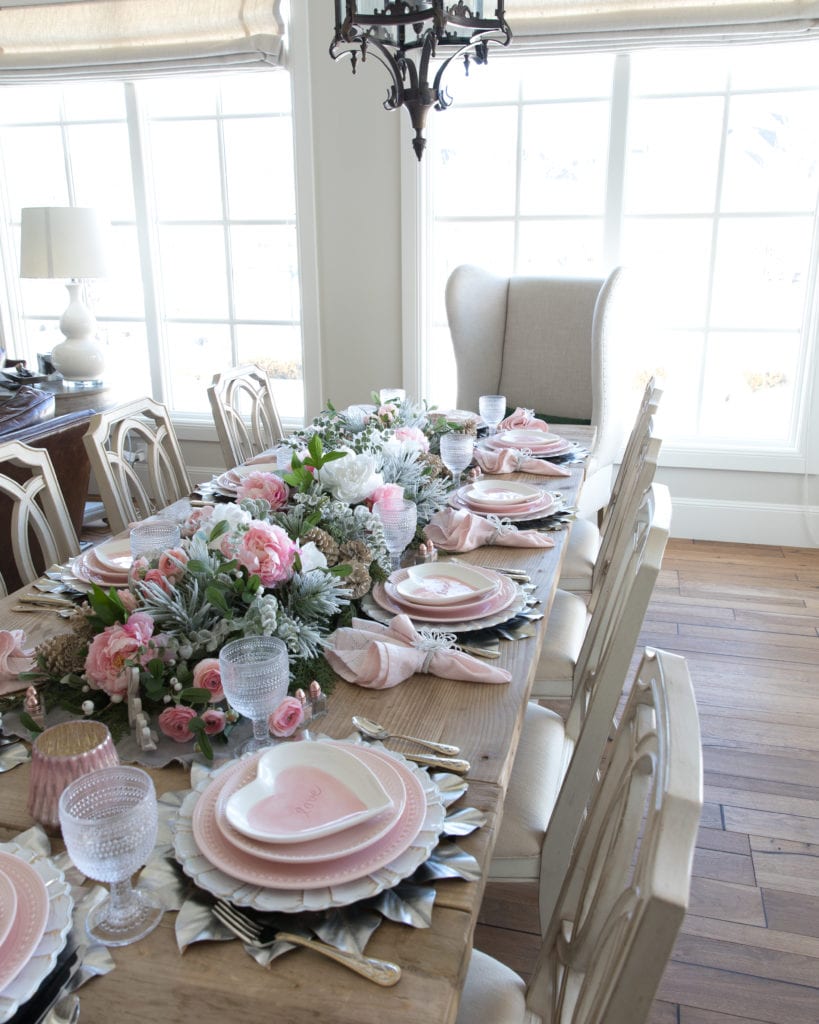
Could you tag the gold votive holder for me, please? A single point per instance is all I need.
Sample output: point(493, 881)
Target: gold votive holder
point(61, 754)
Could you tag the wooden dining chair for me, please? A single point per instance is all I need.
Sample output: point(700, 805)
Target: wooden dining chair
point(136, 460)
point(245, 413)
point(556, 759)
point(33, 516)
point(575, 623)
point(580, 559)
point(612, 912)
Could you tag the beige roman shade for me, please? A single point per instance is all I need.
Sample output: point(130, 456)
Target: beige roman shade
point(66, 39)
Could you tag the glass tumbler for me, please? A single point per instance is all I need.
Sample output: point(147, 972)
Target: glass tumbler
point(109, 823)
point(148, 541)
point(456, 453)
point(492, 408)
point(400, 520)
point(255, 675)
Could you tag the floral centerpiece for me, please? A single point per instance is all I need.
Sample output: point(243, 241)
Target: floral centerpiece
point(288, 559)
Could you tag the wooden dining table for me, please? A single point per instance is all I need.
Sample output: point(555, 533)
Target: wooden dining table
point(218, 981)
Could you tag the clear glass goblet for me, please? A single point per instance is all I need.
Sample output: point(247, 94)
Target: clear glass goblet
point(109, 823)
point(148, 540)
point(456, 453)
point(400, 520)
point(255, 674)
point(492, 408)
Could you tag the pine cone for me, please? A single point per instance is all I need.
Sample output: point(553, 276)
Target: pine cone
point(62, 654)
point(355, 551)
point(434, 463)
point(358, 582)
point(326, 544)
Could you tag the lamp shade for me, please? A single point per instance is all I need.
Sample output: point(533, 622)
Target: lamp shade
point(62, 242)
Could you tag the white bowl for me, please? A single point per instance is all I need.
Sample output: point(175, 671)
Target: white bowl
point(443, 583)
point(305, 790)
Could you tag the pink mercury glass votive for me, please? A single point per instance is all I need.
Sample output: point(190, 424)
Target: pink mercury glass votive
point(61, 754)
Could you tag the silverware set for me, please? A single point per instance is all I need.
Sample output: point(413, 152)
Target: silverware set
point(445, 758)
point(260, 936)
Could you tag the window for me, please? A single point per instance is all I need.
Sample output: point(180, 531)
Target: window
point(697, 170)
point(196, 176)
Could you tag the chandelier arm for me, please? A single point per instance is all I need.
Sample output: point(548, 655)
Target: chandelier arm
point(374, 47)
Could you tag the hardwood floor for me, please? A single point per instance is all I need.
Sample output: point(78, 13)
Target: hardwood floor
point(747, 620)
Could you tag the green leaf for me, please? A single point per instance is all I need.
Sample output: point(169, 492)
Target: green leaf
point(156, 666)
point(197, 727)
point(332, 456)
point(314, 446)
point(217, 599)
point(195, 695)
point(29, 723)
point(220, 528)
point(195, 565)
point(342, 569)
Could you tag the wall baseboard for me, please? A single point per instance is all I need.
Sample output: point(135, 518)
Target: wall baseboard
point(744, 522)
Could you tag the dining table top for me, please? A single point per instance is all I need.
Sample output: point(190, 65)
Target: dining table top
point(218, 981)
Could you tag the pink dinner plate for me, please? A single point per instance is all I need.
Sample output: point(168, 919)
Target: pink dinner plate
point(89, 574)
point(8, 906)
point(552, 448)
point(385, 595)
point(246, 867)
point(534, 510)
point(29, 919)
point(340, 844)
point(498, 494)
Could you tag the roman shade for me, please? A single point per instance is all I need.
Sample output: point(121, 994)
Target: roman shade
point(76, 39)
point(544, 26)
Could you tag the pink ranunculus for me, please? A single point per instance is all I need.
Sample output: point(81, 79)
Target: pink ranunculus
point(287, 717)
point(172, 563)
point(129, 602)
point(264, 485)
point(157, 577)
point(390, 496)
point(387, 412)
point(523, 419)
point(414, 435)
point(175, 722)
point(207, 676)
point(113, 650)
point(214, 720)
point(267, 551)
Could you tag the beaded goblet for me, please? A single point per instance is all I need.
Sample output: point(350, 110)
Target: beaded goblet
point(109, 823)
point(255, 674)
point(456, 453)
point(492, 408)
point(400, 520)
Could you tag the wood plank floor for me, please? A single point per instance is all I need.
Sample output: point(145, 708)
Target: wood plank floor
point(747, 620)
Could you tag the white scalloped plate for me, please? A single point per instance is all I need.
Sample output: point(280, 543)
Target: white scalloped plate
point(220, 884)
point(58, 925)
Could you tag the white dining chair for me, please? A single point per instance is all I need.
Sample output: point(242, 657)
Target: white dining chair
point(612, 913)
point(33, 510)
point(136, 461)
point(556, 759)
point(580, 558)
point(245, 414)
point(575, 622)
point(552, 344)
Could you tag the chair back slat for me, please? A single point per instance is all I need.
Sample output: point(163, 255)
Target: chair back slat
point(245, 414)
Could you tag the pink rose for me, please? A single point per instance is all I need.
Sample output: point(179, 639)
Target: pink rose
point(114, 650)
point(206, 676)
point(172, 564)
point(214, 721)
point(197, 519)
point(157, 577)
point(287, 717)
point(522, 419)
point(175, 721)
point(390, 496)
point(129, 601)
point(267, 551)
point(387, 412)
point(415, 435)
point(264, 485)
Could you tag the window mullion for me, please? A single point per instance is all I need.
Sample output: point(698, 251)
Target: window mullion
point(148, 243)
point(226, 232)
point(616, 172)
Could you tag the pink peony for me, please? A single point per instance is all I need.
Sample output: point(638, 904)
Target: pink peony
point(206, 676)
point(414, 435)
point(264, 485)
point(175, 721)
point(287, 717)
point(115, 649)
point(268, 552)
point(172, 564)
point(214, 721)
point(390, 496)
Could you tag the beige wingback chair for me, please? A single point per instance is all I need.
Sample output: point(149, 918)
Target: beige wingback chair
point(552, 344)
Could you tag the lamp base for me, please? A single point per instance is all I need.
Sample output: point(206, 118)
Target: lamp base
point(78, 358)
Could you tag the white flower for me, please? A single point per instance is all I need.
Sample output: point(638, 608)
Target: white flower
point(351, 479)
point(311, 558)
point(233, 514)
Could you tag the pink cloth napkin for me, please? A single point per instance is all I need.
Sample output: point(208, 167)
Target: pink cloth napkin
point(511, 460)
point(459, 530)
point(378, 657)
point(13, 660)
point(523, 419)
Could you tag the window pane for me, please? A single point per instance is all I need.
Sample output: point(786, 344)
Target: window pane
point(94, 101)
point(262, 92)
point(194, 353)
point(120, 293)
point(566, 77)
point(563, 247)
point(265, 273)
point(675, 359)
point(489, 244)
point(260, 169)
point(34, 167)
point(180, 95)
point(278, 351)
point(126, 355)
point(185, 158)
point(194, 272)
point(105, 183)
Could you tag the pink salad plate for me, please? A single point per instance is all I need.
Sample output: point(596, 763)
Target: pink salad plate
point(388, 598)
point(332, 847)
point(533, 510)
point(497, 494)
point(232, 479)
point(8, 906)
point(85, 568)
point(535, 441)
point(30, 917)
point(254, 870)
point(112, 556)
point(443, 584)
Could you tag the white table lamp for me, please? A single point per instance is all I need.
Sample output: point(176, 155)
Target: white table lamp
point(68, 242)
